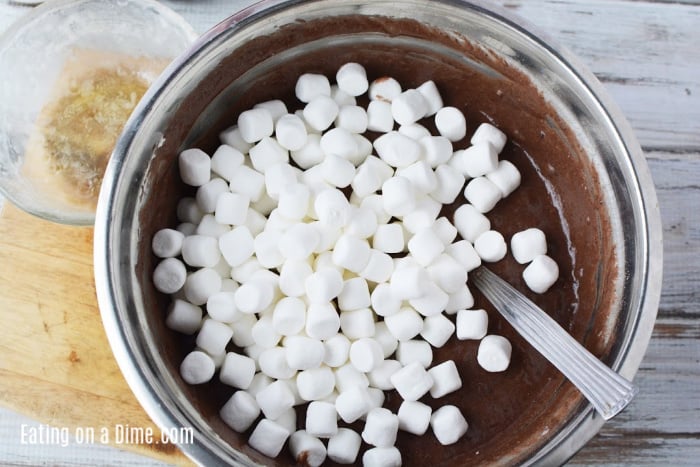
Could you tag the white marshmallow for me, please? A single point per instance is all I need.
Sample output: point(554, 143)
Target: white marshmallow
point(494, 353)
point(397, 150)
point(379, 267)
point(264, 333)
point(200, 285)
point(310, 154)
point(279, 224)
point(432, 96)
point(209, 227)
point(337, 171)
point(332, 208)
point(375, 202)
point(414, 351)
point(352, 78)
point(200, 251)
point(541, 273)
point(448, 424)
point(412, 381)
point(306, 449)
point(268, 437)
point(381, 428)
point(255, 124)
point(339, 142)
point(447, 273)
point(321, 419)
point(341, 97)
point(237, 370)
point(365, 354)
point(352, 404)
point(240, 411)
point(472, 324)
point(289, 316)
point(328, 236)
point(236, 246)
point(320, 112)
point(290, 131)
point(415, 131)
point(437, 330)
point(506, 177)
point(255, 221)
point(364, 150)
point(254, 296)
point(398, 196)
point(260, 382)
point(404, 325)
point(336, 350)
point(213, 337)
point(425, 246)
point(323, 285)
point(479, 159)
point(246, 270)
point(170, 275)
point(266, 246)
point(384, 88)
point(232, 208)
point(379, 117)
point(432, 302)
point(278, 176)
point(449, 184)
point(299, 241)
point(446, 379)
point(423, 215)
point(347, 377)
point(197, 367)
point(183, 317)
point(231, 136)
point(344, 446)
point(409, 107)
point(225, 160)
point(293, 275)
point(409, 282)
point(465, 254)
point(450, 123)
point(382, 457)
point(356, 324)
point(352, 118)
point(242, 330)
point(486, 132)
point(437, 150)
point(248, 182)
point(389, 238)
point(414, 417)
point(368, 179)
point(421, 175)
point(384, 302)
point(470, 222)
point(322, 320)
point(208, 194)
point(380, 377)
point(491, 246)
point(303, 352)
point(267, 153)
point(527, 244)
point(276, 107)
point(362, 222)
point(482, 194)
point(188, 210)
point(311, 85)
point(194, 166)
point(351, 253)
point(385, 338)
point(186, 228)
point(273, 362)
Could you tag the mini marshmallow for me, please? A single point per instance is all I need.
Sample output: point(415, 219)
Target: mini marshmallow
point(344, 446)
point(355, 295)
point(290, 131)
point(404, 325)
point(289, 315)
point(320, 112)
point(470, 222)
point(336, 350)
point(332, 208)
point(255, 221)
point(486, 132)
point(266, 246)
point(278, 176)
point(347, 377)
point(255, 124)
point(200, 251)
point(425, 246)
point(415, 131)
point(448, 424)
point(306, 449)
point(450, 123)
point(364, 150)
point(409, 107)
point(339, 142)
point(337, 171)
point(385, 338)
point(397, 150)
point(293, 275)
point(437, 150)
point(365, 354)
point(351, 253)
point(200, 285)
point(197, 367)
point(437, 330)
point(416, 350)
point(414, 417)
point(231, 136)
point(237, 370)
point(254, 296)
point(379, 117)
point(213, 337)
point(380, 376)
point(398, 195)
point(479, 159)
point(356, 324)
point(328, 236)
point(268, 437)
point(382, 457)
point(188, 210)
point(276, 107)
point(384, 301)
point(352, 404)
point(237, 246)
point(323, 285)
point(449, 184)
point(303, 352)
point(310, 154)
point(278, 223)
point(186, 228)
point(541, 273)
point(432, 96)
point(273, 362)
point(381, 428)
point(232, 208)
point(433, 301)
point(352, 78)
point(299, 241)
point(260, 382)
point(446, 379)
point(170, 275)
point(494, 353)
point(491, 246)
point(464, 253)
point(367, 180)
point(226, 160)
point(527, 244)
point(263, 332)
point(472, 324)
point(322, 320)
point(209, 227)
point(375, 202)
point(379, 267)
point(412, 381)
point(421, 175)
point(195, 167)
point(423, 215)
point(248, 182)
point(352, 118)
point(321, 419)
point(447, 273)
point(482, 194)
point(389, 238)
point(409, 282)
point(506, 177)
point(167, 243)
point(362, 222)
point(311, 85)
point(183, 317)
point(384, 88)
point(221, 306)
point(240, 411)
point(242, 330)
point(267, 153)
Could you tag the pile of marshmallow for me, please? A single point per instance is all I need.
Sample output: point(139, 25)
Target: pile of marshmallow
point(334, 274)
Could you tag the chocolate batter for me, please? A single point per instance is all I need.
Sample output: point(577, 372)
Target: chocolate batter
point(512, 413)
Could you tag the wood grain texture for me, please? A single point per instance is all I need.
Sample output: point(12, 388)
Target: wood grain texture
point(646, 53)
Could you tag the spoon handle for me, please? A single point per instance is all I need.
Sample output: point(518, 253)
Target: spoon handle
point(606, 390)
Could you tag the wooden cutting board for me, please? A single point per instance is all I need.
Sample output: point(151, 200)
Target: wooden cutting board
point(56, 365)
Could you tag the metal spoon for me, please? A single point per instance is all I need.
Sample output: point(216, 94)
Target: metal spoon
point(606, 390)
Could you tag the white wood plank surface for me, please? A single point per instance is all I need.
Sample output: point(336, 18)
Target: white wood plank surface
point(647, 54)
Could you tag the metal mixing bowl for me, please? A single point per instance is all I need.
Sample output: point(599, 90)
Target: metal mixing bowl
point(189, 102)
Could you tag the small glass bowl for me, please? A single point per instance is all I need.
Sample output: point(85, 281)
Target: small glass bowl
point(71, 71)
